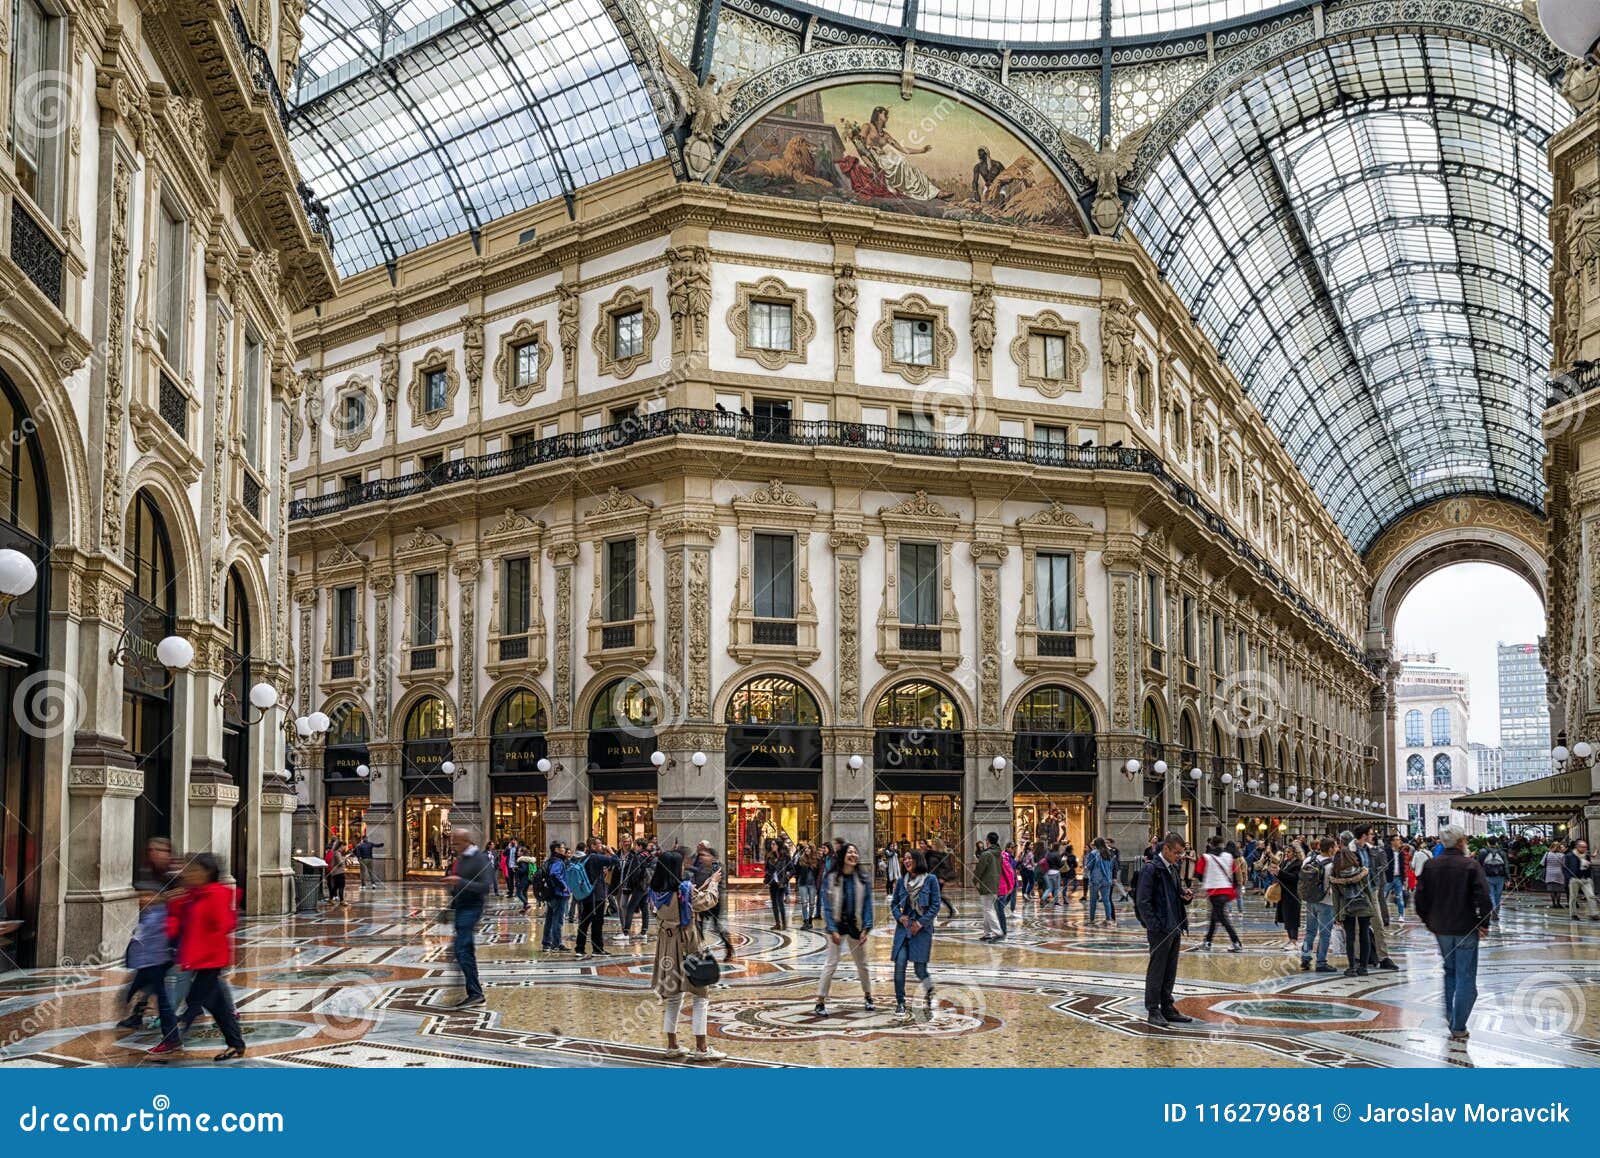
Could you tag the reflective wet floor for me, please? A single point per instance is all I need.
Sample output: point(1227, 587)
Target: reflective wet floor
point(372, 985)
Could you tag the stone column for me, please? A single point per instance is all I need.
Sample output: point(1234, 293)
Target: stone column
point(989, 791)
point(209, 792)
point(1126, 817)
point(691, 803)
point(274, 892)
point(693, 800)
point(567, 801)
point(384, 819)
point(847, 792)
point(469, 805)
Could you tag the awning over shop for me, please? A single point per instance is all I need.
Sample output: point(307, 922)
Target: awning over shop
point(1550, 797)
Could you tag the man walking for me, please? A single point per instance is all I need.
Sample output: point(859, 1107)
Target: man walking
point(987, 875)
point(1394, 872)
point(1373, 860)
point(557, 894)
point(1159, 903)
point(633, 880)
point(1452, 899)
point(470, 879)
point(1580, 882)
point(1316, 902)
point(1496, 867)
point(706, 865)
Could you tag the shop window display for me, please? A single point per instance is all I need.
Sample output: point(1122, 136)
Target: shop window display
point(757, 817)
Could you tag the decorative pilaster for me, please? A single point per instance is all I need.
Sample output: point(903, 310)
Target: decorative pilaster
point(466, 572)
point(848, 543)
point(989, 554)
point(563, 554)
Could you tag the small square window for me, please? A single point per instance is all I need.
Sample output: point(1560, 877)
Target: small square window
point(435, 392)
point(913, 341)
point(430, 462)
point(771, 326)
point(1053, 356)
point(526, 364)
point(627, 334)
point(354, 414)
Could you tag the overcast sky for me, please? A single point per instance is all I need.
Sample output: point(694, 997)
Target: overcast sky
point(1462, 612)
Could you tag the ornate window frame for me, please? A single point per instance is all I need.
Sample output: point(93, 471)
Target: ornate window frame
point(434, 359)
point(505, 364)
point(773, 508)
point(421, 552)
point(624, 301)
point(516, 535)
point(944, 338)
point(1055, 529)
point(344, 568)
point(1144, 375)
point(353, 440)
point(919, 519)
point(1050, 324)
point(619, 516)
point(802, 327)
point(1180, 428)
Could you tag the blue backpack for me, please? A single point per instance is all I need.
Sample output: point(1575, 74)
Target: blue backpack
point(577, 878)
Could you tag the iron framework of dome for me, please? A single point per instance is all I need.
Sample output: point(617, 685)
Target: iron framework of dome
point(1349, 197)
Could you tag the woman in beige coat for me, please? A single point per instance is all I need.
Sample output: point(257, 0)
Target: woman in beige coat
point(676, 900)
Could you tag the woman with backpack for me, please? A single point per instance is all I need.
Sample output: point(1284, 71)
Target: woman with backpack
point(914, 907)
point(681, 965)
point(1555, 873)
point(1221, 885)
point(1352, 908)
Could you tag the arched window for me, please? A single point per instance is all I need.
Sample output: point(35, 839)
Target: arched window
point(1441, 726)
point(429, 719)
point(349, 725)
point(1186, 733)
point(236, 621)
point(1151, 722)
point(1414, 727)
point(148, 553)
point(625, 703)
point(1441, 771)
point(775, 702)
point(519, 711)
point(21, 479)
point(1054, 709)
point(149, 615)
point(1416, 774)
point(916, 704)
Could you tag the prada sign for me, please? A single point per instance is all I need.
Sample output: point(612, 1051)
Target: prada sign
point(423, 758)
point(516, 755)
point(918, 750)
point(341, 763)
point(756, 747)
point(613, 749)
point(1053, 752)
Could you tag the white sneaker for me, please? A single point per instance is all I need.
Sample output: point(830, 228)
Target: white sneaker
point(710, 1053)
point(679, 1052)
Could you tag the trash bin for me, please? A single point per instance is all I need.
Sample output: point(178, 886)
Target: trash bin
point(308, 883)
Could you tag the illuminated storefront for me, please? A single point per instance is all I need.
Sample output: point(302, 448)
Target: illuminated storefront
point(774, 767)
point(919, 764)
point(428, 790)
point(622, 781)
point(344, 790)
point(518, 790)
point(1053, 764)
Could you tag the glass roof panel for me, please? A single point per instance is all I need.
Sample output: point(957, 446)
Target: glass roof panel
point(1378, 206)
point(425, 124)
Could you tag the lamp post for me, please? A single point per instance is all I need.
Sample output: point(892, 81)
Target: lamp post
point(1574, 759)
point(174, 654)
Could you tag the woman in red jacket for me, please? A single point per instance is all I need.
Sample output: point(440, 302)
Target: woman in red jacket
point(202, 920)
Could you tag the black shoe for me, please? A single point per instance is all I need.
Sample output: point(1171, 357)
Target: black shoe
point(820, 1010)
point(869, 1005)
point(1305, 964)
point(134, 1022)
point(1175, 1017)
point(1388, 966)
point(471, 1002)
point(1355, 972)
point(1326, 969)
point(1158, 1019)
point(1361, 972)
point(229, 1054)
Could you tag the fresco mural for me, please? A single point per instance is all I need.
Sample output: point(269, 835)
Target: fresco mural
point(931, 155)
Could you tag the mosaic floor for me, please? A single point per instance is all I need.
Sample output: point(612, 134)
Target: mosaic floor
point(371, 985)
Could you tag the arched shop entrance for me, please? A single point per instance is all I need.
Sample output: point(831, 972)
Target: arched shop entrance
point(918, 766)
point(149, 616)
point(773, 754)
point(24, 643)
point(429, 791)
point(622, 781)
point(344, 790)
point(517, 789)
point(1054, 767)
point(240, 666)
point(1154, 783)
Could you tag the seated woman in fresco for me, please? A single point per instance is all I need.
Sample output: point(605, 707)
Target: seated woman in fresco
point(879, 148)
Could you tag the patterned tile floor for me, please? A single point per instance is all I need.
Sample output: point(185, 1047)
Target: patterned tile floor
point(372, 985)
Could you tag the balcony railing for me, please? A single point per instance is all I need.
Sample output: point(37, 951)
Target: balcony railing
point(1054, 646)
point(620, 635)
point(424, 658)
point(919, 639)
point(250, 495)
point(343, 669)
point(812, 433)
point(39, 258)
point(173, 404)
point(513, 647)
point(773, 633)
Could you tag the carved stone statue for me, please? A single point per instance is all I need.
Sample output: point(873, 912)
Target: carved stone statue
point(389, 375)
point(689, 293)
point(1116, 337)
point(567, 326)
point(845, 295)
point(983, 324)
point(472, 346)
point(704, 106)
point(1106, 167)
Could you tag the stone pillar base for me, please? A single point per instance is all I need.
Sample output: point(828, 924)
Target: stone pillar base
point(100, 906)
point(687, 821)
point(211, 805)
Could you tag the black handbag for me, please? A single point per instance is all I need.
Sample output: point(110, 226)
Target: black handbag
point(701, 970)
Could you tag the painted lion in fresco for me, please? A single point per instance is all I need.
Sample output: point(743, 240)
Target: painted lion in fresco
point(797, 164)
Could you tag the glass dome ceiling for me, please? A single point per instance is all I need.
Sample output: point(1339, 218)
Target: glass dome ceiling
point(1048, 21)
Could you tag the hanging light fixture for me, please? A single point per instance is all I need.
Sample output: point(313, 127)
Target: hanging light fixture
point(18, 575)
point(1573, 26)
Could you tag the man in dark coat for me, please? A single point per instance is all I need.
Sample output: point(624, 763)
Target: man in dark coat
point(471, 877)
point(598, 863)
point(1452, 899)
point(1160, 903)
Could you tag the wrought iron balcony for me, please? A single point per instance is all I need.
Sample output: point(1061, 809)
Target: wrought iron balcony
point(173, 404)
point(250, 495)
point(919, 639)
point(619, 635)
point(513, 647)
point(35, 253)
point(424, 658)
point(343, 669)
point(1056, 646)
point(773, 633)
